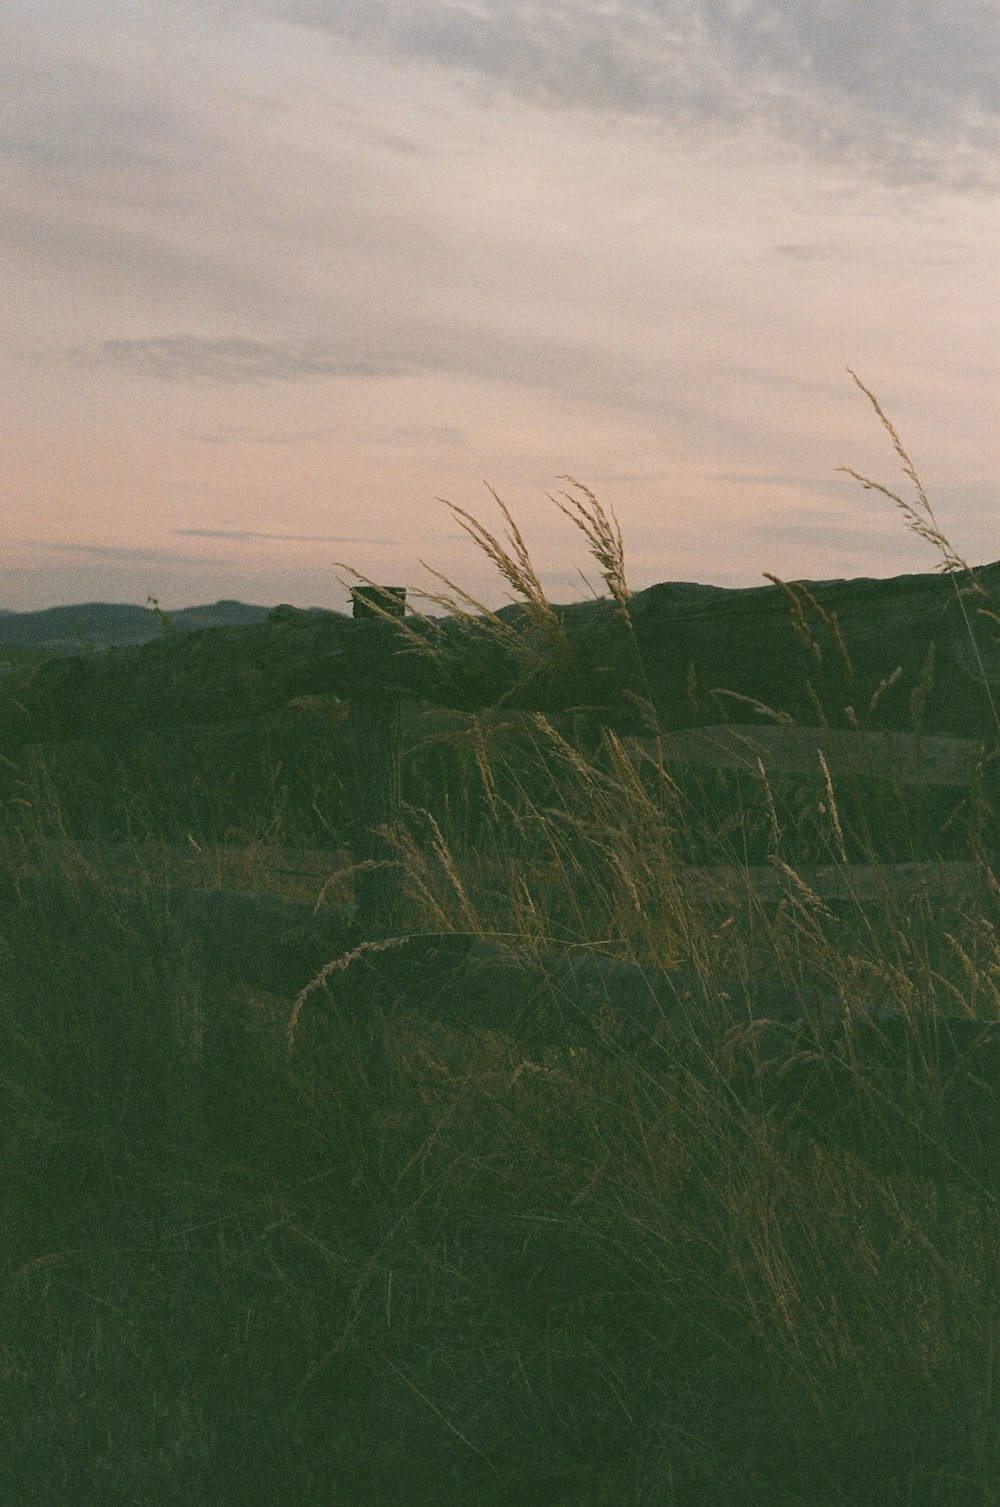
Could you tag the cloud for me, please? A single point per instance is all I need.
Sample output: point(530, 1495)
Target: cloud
point(222, 533)
point(120, 554)
point(181, 165)
point(909, 90)
point(238, 359)
point(807, 253)
point(469, 345)
point(353, 120)
point(240, 434)
point(854, 542)
point(442, 434)
point(74, 114)
point(783, 479)
point(569, 578)
point(860, 528)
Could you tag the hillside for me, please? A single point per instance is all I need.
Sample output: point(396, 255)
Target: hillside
point(825, 651)
point(105, 625)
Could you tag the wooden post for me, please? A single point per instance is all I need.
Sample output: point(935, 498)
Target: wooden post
point(377, 747)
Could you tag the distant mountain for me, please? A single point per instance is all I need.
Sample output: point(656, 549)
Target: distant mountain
point(104, 625)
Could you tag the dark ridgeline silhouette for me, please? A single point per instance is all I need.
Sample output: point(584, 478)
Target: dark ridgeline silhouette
point(811, 652)
point(108, 625)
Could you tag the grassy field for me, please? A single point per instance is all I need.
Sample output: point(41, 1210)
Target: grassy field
point(393, 1262)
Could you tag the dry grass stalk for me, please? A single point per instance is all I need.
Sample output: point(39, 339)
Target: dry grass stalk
point(603, 535)
point(919, 515)
point(920, 518)
point(513, 563)
point(326, 972)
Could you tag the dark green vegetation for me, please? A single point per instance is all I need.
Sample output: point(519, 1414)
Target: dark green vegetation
point(406, 1264)
point(912, 650)
point(386, 1260)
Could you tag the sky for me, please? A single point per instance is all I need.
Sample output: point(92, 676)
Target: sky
point(282, 277)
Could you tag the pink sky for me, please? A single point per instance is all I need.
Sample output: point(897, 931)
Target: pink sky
point(281, 275)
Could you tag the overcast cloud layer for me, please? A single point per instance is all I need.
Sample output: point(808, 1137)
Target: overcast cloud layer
point(282, 273)
point(907, 91)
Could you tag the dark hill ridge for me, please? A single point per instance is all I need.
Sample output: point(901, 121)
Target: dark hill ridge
point(920, 651)
point(106, 625)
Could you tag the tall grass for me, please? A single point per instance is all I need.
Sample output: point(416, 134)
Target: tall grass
point(409, 1264)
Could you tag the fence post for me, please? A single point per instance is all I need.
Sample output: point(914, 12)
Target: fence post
point(377, 751)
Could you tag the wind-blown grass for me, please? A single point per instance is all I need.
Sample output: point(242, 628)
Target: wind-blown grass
point(407, 1264)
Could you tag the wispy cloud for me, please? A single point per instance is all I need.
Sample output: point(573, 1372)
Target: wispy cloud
point(242, 434)
point(625, 477)
point(353, 120)
point(836, 484)
point(910, 91)
point(237, 359)
point(806, 253)
point(467, 345)
point(233, 533)
point(442, 434)
point(121, 554)
point(854, 544)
